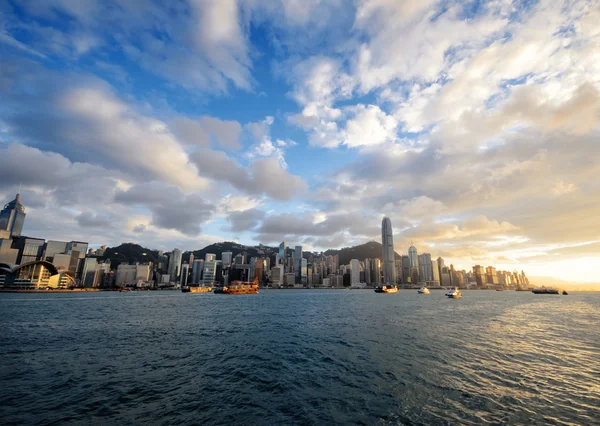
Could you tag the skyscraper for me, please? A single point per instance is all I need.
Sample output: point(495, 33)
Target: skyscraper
point(387, 241)
point(413, 257)
point(175, 264)
point(298, 263)
point(282, 252)
point(226, 258)
point(13, 217)
point(355, 272)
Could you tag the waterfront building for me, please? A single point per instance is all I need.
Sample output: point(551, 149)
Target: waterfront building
point(375, 272)
point(480, 277)
point(282, 248)
point(425, 269)
point(239, 259)
point(298, 263)
point(185, 272)
point(290, 279)
point(355, 272)
point(197, 267)
point(445, 279)
point(491, 275)
point(126, 275)
point(303, 272)
point(175, 264)
point(209, 274)
point(406, 269)
point(226, 258)
point(277, 275)
point(388, 255)
point(435, 271)
point(8, 254)
point(441, 265)
point(30, 249)
point(88, 271)
point(413, 258)
point(209, 257)
point(34, 275)
point(12, 217)
point(53, 248)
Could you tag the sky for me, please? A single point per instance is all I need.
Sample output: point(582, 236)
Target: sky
point(473, 125)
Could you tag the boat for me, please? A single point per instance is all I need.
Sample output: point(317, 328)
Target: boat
point(239, 287)
point(454, 293)
point(565, 293)
point(545, 290)
point(386, 289)
point(423, 290)
point(196, 289)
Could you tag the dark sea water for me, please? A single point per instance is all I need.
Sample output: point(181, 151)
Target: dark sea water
point(299, 357)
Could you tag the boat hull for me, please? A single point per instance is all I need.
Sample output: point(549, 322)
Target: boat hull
point(545, 291)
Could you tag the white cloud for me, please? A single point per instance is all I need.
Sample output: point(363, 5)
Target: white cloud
point(135, 142)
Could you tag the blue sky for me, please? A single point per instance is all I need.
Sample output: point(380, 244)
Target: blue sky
point(184, 123)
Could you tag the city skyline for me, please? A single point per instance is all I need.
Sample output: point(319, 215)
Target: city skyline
point(472, 127)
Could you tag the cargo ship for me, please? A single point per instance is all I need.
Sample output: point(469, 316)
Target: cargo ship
point(386, 289)
point(545, 290)
point(239, 287)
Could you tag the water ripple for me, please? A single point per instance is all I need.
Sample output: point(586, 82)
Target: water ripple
point(300, 357)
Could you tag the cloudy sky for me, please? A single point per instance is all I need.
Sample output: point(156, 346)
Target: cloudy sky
point(473, 125)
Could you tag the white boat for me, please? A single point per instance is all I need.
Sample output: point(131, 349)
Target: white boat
point(423, 290)
point(454, 293)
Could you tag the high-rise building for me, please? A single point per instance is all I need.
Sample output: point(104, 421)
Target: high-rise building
point(491, 275)
point(425, 270)
point(435, 271)
point(376, 271)
point(298, 263)
point(282, 252)
point(185, 272)
point(239, 259)
point(303, 271)
point(12, 217)
point(209, 274)
point(226, 258)
point(209, 257)
point(277, 274)
point(413, 257)
point(175, 264)
point(387, 241)
point(30, 249)
point(480, 277)
point(88, 271)
point(53, 248)
point(197, 267)
point(441, 266)
point(355, 272)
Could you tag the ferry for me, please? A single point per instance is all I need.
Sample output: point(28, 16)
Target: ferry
point(386, 289)
point(239, 287)
point(196, 289)
point(545, 290)
point(454, 293)
point(423, 290)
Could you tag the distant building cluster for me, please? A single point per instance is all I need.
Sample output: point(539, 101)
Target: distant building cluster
point(33, 263)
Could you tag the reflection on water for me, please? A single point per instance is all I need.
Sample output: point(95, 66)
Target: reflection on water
point(300, 357)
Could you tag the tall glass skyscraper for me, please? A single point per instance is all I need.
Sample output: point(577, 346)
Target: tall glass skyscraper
point(413, 257)
point(387, 241)
point(13, 217)
point(282, 252)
